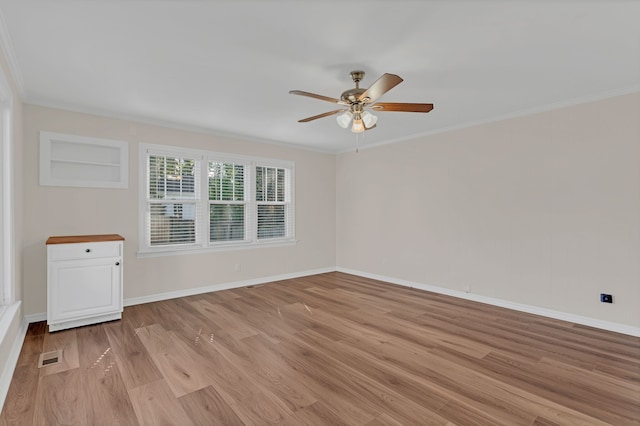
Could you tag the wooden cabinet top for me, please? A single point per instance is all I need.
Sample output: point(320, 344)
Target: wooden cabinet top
point(70, 239)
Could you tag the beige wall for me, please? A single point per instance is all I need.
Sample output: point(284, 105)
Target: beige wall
point(71, 211)
point(542, 210)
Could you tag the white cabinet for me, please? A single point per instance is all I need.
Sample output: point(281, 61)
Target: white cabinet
point(84, 280)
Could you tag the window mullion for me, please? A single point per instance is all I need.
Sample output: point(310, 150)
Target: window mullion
point(251, 219)
point(164, 171)
point(204, 202)
point(265, 186)
point(233, 182)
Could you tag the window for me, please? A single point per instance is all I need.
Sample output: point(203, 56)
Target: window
point(227, 207)
point(172, 200)
point(200, 200)
point(271, 201)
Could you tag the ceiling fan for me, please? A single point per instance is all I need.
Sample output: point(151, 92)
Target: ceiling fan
point(358, 101)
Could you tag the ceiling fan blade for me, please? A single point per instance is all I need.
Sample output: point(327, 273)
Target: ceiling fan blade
point(380, 87)
point(313, 95)
point(315, 117)
point(369, 128)
point(402, 107)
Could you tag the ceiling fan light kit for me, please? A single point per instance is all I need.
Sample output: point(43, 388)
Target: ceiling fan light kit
point(357, 100)
point(358, 125)
point(344, 119)
point(369, 119)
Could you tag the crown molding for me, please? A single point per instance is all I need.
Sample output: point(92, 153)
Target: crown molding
point(168, 124)
point(516, 114)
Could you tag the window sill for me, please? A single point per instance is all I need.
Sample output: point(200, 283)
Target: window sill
point(176, 251)
point(7, 315)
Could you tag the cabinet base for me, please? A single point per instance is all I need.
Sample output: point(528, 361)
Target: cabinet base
point(84, 321)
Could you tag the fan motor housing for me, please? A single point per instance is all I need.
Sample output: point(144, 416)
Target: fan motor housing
point(352, 95)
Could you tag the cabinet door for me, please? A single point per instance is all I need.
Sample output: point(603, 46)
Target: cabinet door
point(86, 288)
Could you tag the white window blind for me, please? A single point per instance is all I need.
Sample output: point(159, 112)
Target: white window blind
point(200, 200)
point(172, 200)
point(226, 201)
point(272, 202)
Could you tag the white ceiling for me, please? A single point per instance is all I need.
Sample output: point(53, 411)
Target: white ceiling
point(227, 66)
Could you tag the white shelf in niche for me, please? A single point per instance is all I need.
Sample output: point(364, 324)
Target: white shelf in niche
point(71, 160)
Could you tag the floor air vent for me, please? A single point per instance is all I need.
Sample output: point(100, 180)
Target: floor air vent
point(50, 358)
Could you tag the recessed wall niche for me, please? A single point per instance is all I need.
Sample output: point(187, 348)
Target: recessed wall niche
point(82, 161)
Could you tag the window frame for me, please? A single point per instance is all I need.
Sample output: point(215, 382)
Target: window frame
point(202, 202)
point(7, 267)
point(286, 195)
point(248, 174)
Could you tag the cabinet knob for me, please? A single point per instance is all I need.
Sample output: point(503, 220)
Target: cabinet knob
point(117, 263)
point(88, 251)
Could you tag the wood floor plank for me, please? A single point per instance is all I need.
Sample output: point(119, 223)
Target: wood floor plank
point(24, 386)
point(314, 414)
point(223, 318)
point(37, 328)
point(327, 349)
point(155, 404)
point(67, 341)
point(105, 393)
point(134, 362)
point(183, 310)
point(31, 350)
point(176, 362)
point(269, 371)
point(465, 414)
point(413, 331)
point(242, 392)
point(326, 388)
point(388, 379)
point(541, 421)
point(623, 370)
point(139, 315)
point(549, 399)
point(247, 392)
point(60, 399)
point(258, 409)
point(206, 407)
point(386, 420)
point(303, 318)
point(362, 388)
point(270, 324)
point(242, 370)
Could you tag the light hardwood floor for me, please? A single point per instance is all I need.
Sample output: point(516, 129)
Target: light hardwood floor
point(327, 349)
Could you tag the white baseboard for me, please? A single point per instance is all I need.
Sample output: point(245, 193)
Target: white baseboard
point(224, 286)
point(42, 316)
point(14, 353)
point(564, 316)
point(550, 313)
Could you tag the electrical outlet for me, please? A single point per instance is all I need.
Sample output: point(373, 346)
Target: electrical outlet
point(606, 298)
